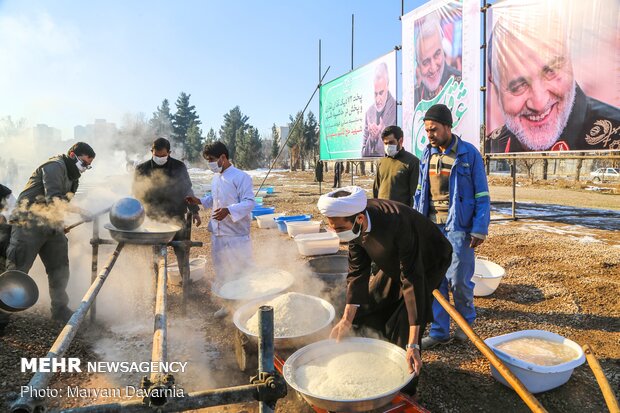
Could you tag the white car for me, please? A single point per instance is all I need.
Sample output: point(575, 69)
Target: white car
point(602, 174)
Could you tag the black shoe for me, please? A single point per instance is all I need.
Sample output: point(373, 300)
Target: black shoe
point(63, 314)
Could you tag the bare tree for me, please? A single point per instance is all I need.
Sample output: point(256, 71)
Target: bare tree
point(578, 167)
point(528, 165)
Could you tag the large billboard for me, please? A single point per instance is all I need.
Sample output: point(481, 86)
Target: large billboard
point(553, 75)
point(441, 64)
point(355, 108)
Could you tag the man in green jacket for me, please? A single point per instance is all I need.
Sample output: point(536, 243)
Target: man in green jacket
point(38, 223)
point(397, 172)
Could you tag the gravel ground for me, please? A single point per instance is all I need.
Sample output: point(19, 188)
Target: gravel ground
point(560, 278)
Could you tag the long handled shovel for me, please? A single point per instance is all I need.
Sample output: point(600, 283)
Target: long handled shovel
point(608, 394)
point(70, 227)
point(514, 382)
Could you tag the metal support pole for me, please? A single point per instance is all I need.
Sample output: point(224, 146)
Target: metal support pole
point(320, 63)
point(160, 380)
point(352, 37)
point(514, 189)
point(483, 88)
point(191, 401)
point(40, 380)
point(101, 241)
point(185, 270)
point(352, 172)
point(186, 244)
point(265, 350)
point(93, 268)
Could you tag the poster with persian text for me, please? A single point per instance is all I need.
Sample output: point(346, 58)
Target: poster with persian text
point(355, 108)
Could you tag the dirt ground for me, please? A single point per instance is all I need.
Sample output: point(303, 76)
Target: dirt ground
point(560, 277)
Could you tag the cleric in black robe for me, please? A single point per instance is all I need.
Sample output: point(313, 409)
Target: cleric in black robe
point(411, 256)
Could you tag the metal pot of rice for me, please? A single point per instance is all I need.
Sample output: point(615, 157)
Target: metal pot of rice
point(298, 319)
point(355, 375)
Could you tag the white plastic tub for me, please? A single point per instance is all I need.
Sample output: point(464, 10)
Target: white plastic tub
point(487, 276)
point(197, 269)
point(295, 228)
point(266, 221)
point(322, 243)
point(536, 378)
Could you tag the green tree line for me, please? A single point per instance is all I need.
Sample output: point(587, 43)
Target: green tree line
point(248, 149)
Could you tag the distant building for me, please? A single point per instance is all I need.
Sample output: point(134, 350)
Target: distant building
point(99, 132)
point(284, 160)
point(45, 135)
point(283, 132)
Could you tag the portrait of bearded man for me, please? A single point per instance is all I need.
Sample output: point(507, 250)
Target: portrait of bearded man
point(432, 68)
point(542, 105)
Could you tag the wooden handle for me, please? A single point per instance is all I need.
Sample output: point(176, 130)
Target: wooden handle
point(70, 227)
point(608, 394)
point(516, 384)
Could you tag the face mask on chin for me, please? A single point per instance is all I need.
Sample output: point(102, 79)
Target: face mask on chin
point(160, 160)
point(391, 150)
point(350, 235)
point(215, 167)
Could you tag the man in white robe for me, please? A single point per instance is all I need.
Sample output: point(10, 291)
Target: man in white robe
point(231, 201)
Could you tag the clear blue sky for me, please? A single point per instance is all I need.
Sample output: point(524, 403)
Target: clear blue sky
point(67, 62)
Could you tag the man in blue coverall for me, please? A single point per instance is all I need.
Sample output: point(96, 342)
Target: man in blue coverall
point(453, 192)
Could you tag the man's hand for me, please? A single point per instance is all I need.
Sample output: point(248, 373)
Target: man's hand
point(196, 219)
point(340, 330)
point(414, 361)
point(220, 213)
point(380, 125)
point(374, 129)
point(475, 242)
point(192, 200)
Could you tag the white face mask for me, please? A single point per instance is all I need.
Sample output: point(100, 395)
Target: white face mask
point(391, 150)
point(160, 160)
point(349, 235)
point(81, 165)
point(214, 167)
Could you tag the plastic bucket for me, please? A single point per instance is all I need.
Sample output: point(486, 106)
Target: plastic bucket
point(487, 276)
